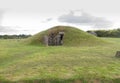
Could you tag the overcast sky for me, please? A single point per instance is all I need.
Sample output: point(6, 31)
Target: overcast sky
point(32, 16)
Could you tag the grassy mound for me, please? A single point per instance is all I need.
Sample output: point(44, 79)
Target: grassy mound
point(72, 37)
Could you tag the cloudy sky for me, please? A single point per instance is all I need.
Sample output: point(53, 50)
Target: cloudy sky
point(32, 16)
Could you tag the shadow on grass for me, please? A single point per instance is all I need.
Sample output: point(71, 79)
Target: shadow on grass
point(2, 80)
point(117, 80)
point(46, 81)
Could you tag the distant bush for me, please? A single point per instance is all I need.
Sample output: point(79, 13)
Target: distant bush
point(21, 36)
point(107, 33)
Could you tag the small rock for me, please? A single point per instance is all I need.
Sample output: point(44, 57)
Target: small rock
point(117, 54)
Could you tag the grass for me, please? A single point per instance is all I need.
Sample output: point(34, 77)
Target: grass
point(21, 63)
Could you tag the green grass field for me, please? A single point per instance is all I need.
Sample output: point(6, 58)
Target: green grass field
point(21, 63)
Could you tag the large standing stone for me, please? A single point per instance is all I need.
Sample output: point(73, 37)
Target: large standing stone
point(118, 54)
point(46, 40)
point(51, 39)
point(57, 40)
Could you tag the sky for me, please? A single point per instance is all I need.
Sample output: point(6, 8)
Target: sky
point(33, 16)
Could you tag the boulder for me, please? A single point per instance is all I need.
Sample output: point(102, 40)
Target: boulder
point(117, 54)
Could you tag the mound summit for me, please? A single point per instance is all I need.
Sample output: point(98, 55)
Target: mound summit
point(66, 36)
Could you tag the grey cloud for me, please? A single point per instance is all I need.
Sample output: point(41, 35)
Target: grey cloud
point(47, 20)
point(85, 19)
point(5, 29)
point(1, 15)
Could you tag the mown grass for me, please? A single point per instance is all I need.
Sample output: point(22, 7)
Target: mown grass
point(21, 63)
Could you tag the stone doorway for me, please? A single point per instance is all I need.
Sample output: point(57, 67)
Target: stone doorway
point(54, 39)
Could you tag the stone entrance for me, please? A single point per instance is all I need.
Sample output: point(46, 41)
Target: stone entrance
point(54, 39)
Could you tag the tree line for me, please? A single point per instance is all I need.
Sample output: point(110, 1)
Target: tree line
point(21, 36)
point(107, 33)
